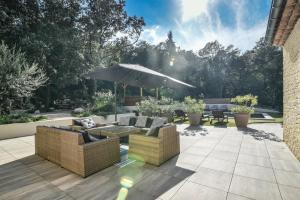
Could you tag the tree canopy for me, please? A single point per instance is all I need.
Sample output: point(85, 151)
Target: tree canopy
point(68, 38)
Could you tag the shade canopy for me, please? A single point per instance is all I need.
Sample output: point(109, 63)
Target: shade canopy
point(136, 75)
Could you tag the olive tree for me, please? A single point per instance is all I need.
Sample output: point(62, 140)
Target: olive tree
point(18, 78)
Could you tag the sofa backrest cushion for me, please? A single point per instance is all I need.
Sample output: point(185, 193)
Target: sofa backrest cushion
point(157, 122)
point(124, 121)
point(141, 121)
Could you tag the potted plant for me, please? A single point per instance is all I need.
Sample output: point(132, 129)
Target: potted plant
point(167, 111)
point(244, 107)
point(194, 110)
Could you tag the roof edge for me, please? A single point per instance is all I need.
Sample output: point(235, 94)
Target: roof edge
point(275, 15)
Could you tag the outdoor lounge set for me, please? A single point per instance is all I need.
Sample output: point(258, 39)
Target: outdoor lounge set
point(86, 148)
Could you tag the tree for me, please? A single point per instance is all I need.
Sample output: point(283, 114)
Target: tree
point(18, 78)
point(67, 38)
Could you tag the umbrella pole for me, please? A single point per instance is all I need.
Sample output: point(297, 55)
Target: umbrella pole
point(115, 92)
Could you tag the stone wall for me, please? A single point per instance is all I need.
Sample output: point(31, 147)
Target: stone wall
point(291, 91)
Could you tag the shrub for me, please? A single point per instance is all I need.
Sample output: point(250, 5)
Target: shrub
point(244, 104)
point(193, 106)
point(148, 107)
point(20, 118)
point(103, 102)
point(165, 101)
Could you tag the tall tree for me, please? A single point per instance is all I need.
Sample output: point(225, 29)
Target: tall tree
point(18, 78)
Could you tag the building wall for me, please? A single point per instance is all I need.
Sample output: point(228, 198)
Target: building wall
point(291, 90)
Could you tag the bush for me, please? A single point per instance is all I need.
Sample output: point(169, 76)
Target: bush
point(165, 101)
point(148, 107)
point(244, 104)
point(193, 106)
point(103, 102)
point(20, 118)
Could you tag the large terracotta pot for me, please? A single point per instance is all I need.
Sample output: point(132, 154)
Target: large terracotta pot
point(241, 120)
point(194, 118)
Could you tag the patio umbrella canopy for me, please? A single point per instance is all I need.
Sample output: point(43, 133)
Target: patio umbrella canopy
point(136, 75)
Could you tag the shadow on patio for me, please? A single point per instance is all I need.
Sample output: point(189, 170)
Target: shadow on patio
point(260, 134)
point(35, 178)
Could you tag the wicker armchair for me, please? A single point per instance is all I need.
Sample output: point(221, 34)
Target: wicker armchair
point(155, 150)
point(67, 149)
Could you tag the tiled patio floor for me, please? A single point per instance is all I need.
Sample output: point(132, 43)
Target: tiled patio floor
point(216, 163)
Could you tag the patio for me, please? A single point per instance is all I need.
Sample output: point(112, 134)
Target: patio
point(215, 163)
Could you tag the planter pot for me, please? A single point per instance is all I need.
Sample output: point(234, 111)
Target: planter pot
point(241, 120)
point(194, 118)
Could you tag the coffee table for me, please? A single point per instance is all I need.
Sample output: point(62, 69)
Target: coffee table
point(116, 131)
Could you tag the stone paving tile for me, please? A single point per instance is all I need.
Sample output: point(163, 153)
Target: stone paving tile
point(224, 155)
point(202, 151)
point(231, 196)
point(262, 152)
point(191, 191)
point(212, 178)
point(282, 155)
point(288, 178)
point(253, 171)
point(253, 188)
point(254, 160)
point(157, 184)
point(286, 165)
point(289, 193)
point(230, 148)
point(190, 158)
point(172, 191)
point(218, 164)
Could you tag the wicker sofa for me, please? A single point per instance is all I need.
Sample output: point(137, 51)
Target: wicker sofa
point(155, 150)
point(68, 149)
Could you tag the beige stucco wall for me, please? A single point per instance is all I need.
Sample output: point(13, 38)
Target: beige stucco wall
point(25, 129)
point(291, 90)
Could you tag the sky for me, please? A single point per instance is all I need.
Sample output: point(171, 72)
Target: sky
point(196, 22)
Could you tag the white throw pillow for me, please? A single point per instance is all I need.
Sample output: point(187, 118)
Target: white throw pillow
point(88, 123)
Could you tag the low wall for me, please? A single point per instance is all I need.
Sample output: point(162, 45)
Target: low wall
point(25, 129)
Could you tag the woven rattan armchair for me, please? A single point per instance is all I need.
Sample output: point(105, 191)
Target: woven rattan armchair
point(155, 150)
point(67, 149)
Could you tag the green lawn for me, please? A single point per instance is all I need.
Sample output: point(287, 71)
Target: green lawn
point(231, 123)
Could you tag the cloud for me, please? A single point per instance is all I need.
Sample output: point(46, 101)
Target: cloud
point(200, 22)
point(154, 35)
point(192, 9)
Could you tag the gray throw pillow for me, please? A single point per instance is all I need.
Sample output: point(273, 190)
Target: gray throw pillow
point(132, 121)
point(124, 121)
point(153, 131)
point(141, 122)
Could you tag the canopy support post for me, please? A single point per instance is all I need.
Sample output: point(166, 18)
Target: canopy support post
point(115, 92)
point(157, 93)
point(124, 89)
point(141, 91)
